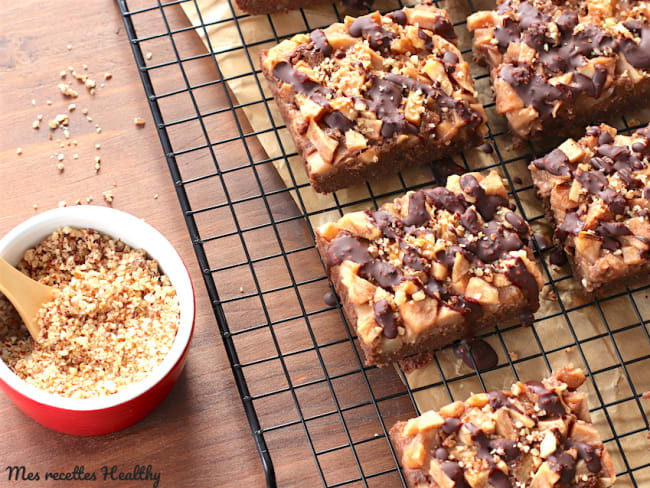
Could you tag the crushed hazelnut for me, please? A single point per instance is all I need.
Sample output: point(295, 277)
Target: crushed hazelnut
point(108, 196)
point(98, 335)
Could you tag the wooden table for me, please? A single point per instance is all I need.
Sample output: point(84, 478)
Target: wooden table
point(199, 437)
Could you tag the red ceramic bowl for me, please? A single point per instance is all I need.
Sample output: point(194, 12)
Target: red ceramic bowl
point(111, 413)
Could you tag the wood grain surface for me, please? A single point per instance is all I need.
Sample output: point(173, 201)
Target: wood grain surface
point(199, 437)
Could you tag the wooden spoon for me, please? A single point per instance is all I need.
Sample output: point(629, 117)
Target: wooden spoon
point(26, 295)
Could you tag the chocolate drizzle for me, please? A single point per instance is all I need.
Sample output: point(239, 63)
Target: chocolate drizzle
point(589, 454)
point(321, 44)
point(496, 241)
point(412, 258)
point(547, 400)
point(442, 27)
point(447, 200)
point(378, 38)
point(487, 205)
point(571, 225)
point(509, 447)
point(533, 89)
point(482, 442)
point(484, 356)
point(330, 299)
point(518, 273)
point(417, 214)
point(347, 248)
point(484, 447)
point(381, 274)
point(398, 16)
point(451, 425)
point(386, 318)
point(455, 473)
point(301, 83)
point(565, 53)
point(385, 97)
point(498, 479)
point(555, 162)
point(638, 55)
point(564, 465)
point(595, 182)
point(442, 454)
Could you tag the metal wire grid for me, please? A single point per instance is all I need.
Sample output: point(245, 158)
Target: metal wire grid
point(268, 374)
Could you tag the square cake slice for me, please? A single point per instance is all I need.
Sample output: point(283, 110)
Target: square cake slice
point(560, 65)
point(373, 95)
point(432, 267)
point(261, 7)
point(597, 192)
point(536, 435)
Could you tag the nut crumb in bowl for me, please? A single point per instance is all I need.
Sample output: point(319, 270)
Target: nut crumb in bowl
point(114, 318)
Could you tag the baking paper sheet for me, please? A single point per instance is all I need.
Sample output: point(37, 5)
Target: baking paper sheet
point(520, 346)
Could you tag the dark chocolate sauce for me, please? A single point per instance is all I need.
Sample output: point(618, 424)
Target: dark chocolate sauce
point(389, 225)
point(447, 200)
point(563, 464)
point(518, 223)
point(301, 83)
point(417, 214)
point(555, 162)
point(399, 17)
point(498, 479)
point(385, 97)
point(442, 27)
point(378, 38)
point(547, 400)
point(442, 454)
point(451, 425)
point(589, 454)
point(570, 225)
point(509, 447)
point(487, 205)
point(455, 473)
point(518, 273)
point(321, 44)
point(596, 183)
point(481, 441)
point(381, 273)
point(347, 248)
point(330, 299)
point(484, 356)
point(412, 258)
point(386, 318)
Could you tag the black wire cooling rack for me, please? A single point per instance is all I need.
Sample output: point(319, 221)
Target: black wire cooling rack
point(311, 404)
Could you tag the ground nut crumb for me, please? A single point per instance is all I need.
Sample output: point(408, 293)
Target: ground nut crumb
point(113, 320)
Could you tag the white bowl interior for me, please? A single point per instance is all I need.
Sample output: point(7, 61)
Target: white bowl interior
point(137, 234)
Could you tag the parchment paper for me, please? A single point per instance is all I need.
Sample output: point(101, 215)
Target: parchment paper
point(519, 346)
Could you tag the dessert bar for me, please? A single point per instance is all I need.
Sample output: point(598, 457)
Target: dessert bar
point(536, 435)
point(597, 192)
point(560, 65)
point(432, 267)
point(259, 7)
point(373, 95)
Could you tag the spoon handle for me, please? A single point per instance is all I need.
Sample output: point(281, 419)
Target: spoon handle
point(26, 295)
